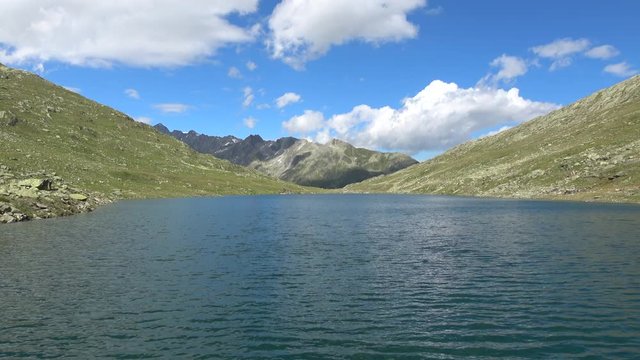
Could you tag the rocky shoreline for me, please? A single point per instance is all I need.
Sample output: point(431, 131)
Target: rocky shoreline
point(41, 195)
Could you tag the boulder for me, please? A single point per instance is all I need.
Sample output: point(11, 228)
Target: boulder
point(40, 184)
point(41, 206)
point(31, 193)
point(7, 118)
point(78, 197)
point(5, 208)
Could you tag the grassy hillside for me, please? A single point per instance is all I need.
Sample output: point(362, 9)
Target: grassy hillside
point(47, 130)
point(589, 150)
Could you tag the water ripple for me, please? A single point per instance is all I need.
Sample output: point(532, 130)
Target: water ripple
point(324, 277)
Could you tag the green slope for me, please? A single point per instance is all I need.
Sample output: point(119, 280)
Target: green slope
point(45, 129)
point(589, 150)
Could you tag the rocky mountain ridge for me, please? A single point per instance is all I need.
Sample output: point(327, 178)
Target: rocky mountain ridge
point(331, 165)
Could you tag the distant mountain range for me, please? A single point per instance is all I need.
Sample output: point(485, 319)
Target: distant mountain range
point(589, 150)
point(331, 165)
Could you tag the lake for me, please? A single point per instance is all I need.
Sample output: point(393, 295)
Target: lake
point(325, 276)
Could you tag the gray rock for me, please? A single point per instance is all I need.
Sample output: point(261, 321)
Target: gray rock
point(5, 208)
point(78, 197)
point(40, 184)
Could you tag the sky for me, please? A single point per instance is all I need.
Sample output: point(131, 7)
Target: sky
point(413, 76)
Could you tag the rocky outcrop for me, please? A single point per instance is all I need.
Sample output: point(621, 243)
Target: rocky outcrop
point(331, 165)
point(41, 195)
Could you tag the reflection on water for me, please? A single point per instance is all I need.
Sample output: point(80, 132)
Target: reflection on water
point(324, 277)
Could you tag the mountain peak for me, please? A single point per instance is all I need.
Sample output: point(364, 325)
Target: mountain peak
point(161, 128)
point(254, 139)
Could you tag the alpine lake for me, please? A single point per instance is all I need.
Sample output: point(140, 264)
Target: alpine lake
point(324, 277)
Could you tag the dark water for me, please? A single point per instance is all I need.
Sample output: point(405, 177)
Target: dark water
point(313, 277)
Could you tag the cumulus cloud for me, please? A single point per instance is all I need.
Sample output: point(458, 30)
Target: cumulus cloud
point(103, 33)
point(622, 69)
point(287, 99)
point(172, 108)
point(509, 68)
point(251, 66)
point(602, 52)
point(305, 123)
point(144, 120)
point(250, 122)
point(132, 93)
point(438, 117)
point(561, 51)
point(234, 73)
point(248, 97)
point(299, 31)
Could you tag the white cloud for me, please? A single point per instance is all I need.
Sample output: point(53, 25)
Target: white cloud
point(561, 51)
point(287, 99)
point(305, 123)
point(299, 29)
point(438, 117)
point(561, 48)
point(144, 120)
point(73, 89)
point(234, 73)
point(248, 97)
point(622, 69)
point(251, 66)
point(103, 33)
point(250, 122)
point(602, 52)
point(495, 132)
point(172, 108)
point(132, 93)
point(509, 68)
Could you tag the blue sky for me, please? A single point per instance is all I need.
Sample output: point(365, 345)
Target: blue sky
point(408, 75)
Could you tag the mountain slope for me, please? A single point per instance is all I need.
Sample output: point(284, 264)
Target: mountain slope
point(45, 129)
point(331, 165)
point(589, 150)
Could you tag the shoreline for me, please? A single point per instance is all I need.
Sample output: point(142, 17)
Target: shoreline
point(94, 201)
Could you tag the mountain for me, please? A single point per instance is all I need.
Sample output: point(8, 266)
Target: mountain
point(62, 153)
point(589, 150)
point(332, 165)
